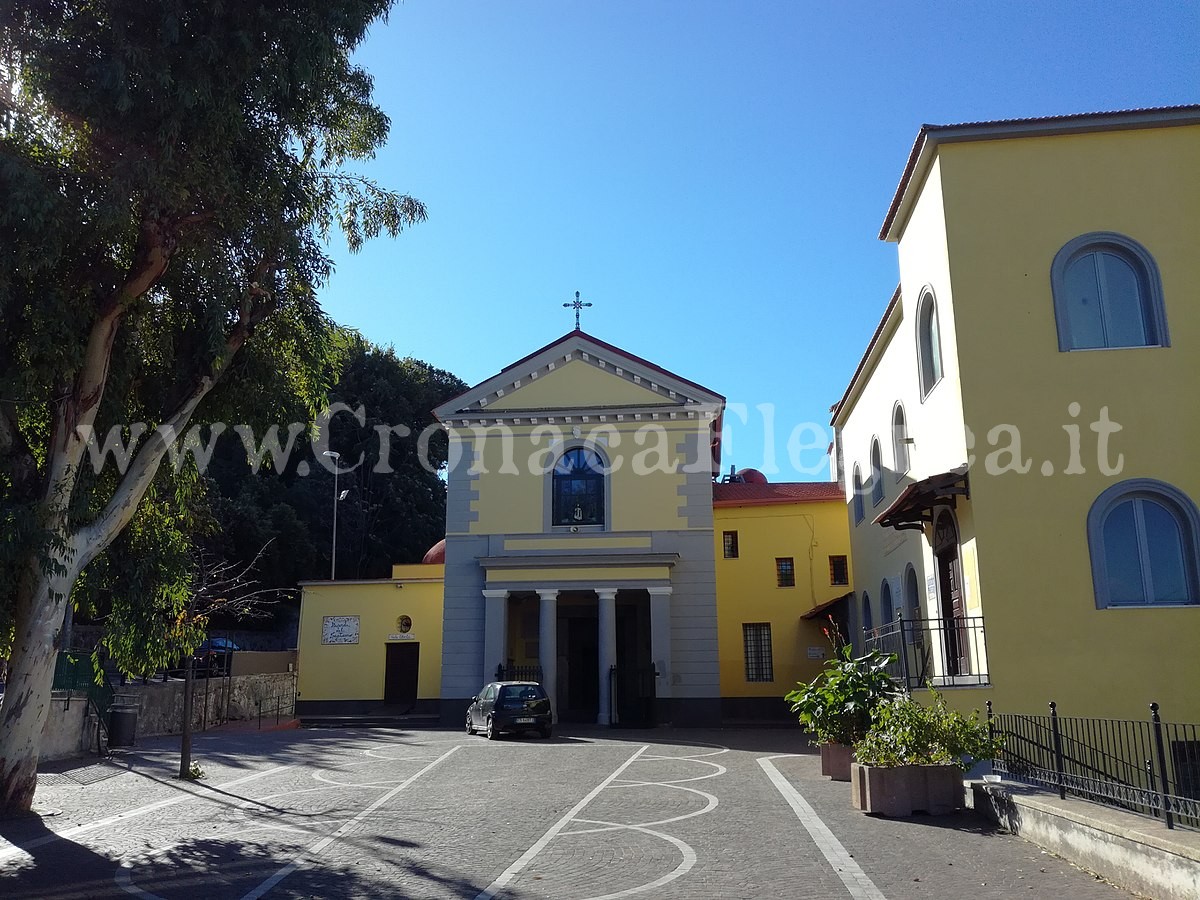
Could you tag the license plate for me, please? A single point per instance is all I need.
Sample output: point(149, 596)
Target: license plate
point(529, 721)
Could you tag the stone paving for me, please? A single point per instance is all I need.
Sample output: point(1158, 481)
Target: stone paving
point(589, 815)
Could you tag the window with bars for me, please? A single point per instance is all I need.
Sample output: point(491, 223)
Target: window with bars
point(731, 544)
point(785, 572)
point(756, 637)
point(839, 570)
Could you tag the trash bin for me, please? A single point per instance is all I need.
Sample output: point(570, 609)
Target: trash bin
point(122, 726)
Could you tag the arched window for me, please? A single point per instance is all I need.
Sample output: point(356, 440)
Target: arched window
point(929, 343)
point(900, 440)
point(1143, 537)
point(857, 500)
point(1107, 293)
point(578, 488)
point(912, 597)
point(886, 613)
point(868, 623)
point(876, 473)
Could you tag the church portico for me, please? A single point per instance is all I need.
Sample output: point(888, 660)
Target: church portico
point(592, 648)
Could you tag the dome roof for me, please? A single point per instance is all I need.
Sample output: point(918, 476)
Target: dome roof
point(436, 553)
point(752, 476)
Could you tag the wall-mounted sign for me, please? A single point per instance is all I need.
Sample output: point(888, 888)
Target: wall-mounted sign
point(816, 652)
point(404, 624)
point(339, 630)
point(405, 636)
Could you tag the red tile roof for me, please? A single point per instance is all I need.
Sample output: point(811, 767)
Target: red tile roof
point(783, 492)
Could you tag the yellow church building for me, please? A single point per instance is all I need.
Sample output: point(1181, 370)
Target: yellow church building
point(581, 551)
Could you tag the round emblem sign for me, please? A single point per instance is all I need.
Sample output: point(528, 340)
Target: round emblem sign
point(404, 623)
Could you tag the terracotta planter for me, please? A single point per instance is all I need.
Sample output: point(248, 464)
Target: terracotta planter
point(836, 760)
point(903, 790)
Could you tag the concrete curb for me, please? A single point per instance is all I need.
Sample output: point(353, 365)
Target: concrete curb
point(1139, 854)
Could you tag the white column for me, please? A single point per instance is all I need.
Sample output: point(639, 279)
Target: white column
point(495, 632)
point(660, 637)
point(607, 643)
point(548, 645)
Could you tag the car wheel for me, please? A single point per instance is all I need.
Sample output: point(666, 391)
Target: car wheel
point(470, 727)
point(493, 733)
point(546, 732)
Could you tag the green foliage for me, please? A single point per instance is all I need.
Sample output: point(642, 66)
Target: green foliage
point(395, 506)
point(173, 169)
point(907, 732)
point(195, 772)
point(840, 703)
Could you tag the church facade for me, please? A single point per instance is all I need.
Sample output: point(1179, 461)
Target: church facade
point(579, 537)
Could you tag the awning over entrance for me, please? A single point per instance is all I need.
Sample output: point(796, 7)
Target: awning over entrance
point(913, 508)
point(822, 607)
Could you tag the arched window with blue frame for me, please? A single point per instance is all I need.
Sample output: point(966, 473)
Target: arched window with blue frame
point(578, 488)
point(1144, 538)
point(1107, 294)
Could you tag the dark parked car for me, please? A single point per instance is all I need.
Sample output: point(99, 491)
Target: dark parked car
point(214, 656)
point(512, 706)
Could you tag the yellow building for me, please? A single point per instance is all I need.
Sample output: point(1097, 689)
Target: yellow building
point(579, 536)
point(1016, 441)
point(782, 564)
point(371, 644)
point(581, 552)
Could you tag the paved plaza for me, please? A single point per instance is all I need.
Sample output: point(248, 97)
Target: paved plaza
point(591, 813)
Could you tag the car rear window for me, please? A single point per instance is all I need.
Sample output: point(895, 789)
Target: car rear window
point(522, 692)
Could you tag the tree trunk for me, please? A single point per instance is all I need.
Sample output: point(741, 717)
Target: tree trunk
point(185, 734)
point(39, 614)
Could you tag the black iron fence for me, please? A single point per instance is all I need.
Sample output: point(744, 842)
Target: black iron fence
point(281, 706)
point(519, 673)
point(1150, 767)
point(941, 652)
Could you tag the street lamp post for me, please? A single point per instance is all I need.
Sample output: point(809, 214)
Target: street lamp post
point(335, 456)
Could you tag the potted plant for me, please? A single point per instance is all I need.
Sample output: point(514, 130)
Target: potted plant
point(913, 757)
point(838, 705)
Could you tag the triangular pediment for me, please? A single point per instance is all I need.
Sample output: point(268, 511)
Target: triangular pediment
point(579, 373)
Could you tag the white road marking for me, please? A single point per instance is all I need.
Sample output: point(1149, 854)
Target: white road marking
point(860, 886)
point(511, 872)
point(320, 845)
point(685, 865)
point(124, 874)
point(187, 795)
point(710, 804)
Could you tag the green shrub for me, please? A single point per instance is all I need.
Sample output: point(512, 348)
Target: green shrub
point(838, 705)
point(907, 732)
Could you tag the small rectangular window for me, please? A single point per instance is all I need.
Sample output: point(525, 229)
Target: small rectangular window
point(757, 639)
point(731, 545)
point(839, 571)
point(785, 572)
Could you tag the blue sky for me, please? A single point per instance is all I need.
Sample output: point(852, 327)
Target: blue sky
point(711, 175)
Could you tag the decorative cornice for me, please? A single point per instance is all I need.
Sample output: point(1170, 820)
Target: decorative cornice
point(578, 560)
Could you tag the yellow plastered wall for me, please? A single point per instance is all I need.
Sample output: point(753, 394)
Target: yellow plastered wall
point(747, 591)
point(512, 492)
point(1009, 207)
point(577, 384)
point(356, 671)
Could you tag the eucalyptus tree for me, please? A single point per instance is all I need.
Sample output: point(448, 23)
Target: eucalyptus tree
point(170, 171)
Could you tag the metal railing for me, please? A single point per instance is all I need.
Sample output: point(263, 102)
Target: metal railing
point(74, 673)
point(279, 705)
point(943, 652)
point(519, 673)
point(1149, 766)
